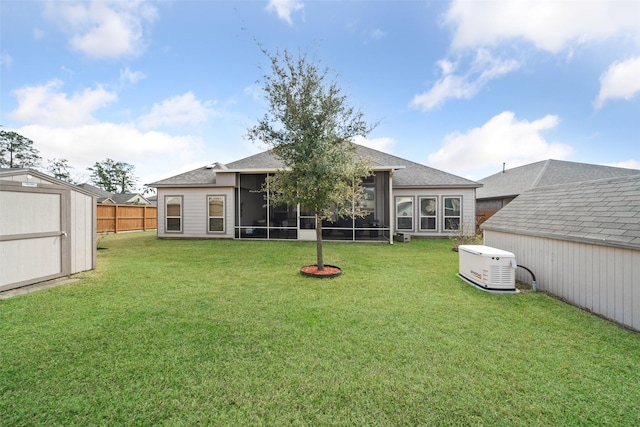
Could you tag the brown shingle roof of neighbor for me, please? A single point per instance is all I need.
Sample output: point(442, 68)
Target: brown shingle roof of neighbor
point(547, 172)
point(406, 174)
point(605, 212)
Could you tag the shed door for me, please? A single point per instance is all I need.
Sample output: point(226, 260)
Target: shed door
point(33, 242)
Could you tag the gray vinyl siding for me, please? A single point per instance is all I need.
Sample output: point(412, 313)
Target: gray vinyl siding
point(602, 279)
point(194, 212)
point(467, 206)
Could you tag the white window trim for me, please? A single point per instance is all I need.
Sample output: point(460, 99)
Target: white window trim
point(166, 214)
point(444, 214)
point(224, 216)
point(413, 214)
point(420, 216)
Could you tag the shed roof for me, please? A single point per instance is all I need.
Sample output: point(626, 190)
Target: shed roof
point(8, 172)
point(407, 173)
point(513, 182)
point(605, 212)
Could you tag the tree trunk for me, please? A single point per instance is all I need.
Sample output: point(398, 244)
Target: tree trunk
point(320, 261)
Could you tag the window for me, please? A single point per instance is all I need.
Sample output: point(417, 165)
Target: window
point(404, 213)
point(173, 213)
point(428, 209)
point(215, 207)
point(452, 213)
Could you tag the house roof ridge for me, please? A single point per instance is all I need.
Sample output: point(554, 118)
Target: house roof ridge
point(603, 211)
point(541, 173)
point(562, 185)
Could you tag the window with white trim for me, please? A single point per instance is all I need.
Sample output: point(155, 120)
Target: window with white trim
point(173, 214)
point(452, 213)
point(404, 213)
point(428, 209)
point(215, 212)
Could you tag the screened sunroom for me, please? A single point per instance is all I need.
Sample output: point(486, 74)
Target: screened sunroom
point(258, 218)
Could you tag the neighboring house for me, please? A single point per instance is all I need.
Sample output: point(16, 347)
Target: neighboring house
point(501, 188)
point(582, 242)
point(47, 228)
point(226, 201)
point(102, 196)
point(130, 199)
point(106, 197)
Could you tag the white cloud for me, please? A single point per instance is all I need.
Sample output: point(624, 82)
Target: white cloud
point(149, 152)
point(6, 60)
point(629, 164)
point(502, 139)
point(47, 105)
point(128, 76)
point(104, 29)
point(483, 69)
point(284, 8)
point(621, 80)
point(377, 34)
point(177, 110)
point(381, 144)
point(549, 25)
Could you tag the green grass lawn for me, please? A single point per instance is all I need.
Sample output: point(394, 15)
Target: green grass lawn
point(228, 333)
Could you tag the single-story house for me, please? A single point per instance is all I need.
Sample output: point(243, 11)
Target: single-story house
point(130, 199)
point(106, 197)
point(103, 197)
point(580, 240)
point(227, 201)
point(47, 228)
point(501, 188)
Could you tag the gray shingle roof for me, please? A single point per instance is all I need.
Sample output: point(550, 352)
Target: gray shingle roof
point(203, 176)
point(96, 190)
point(408, 173)
point(414, 174)
point(548, 172)
point(605, 212)
point(123, 198)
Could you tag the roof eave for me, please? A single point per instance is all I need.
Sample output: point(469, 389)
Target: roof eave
point(568, 237)
point(446, 186)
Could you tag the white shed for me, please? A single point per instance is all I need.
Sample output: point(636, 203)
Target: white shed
point(582, 242)
point(47, 228)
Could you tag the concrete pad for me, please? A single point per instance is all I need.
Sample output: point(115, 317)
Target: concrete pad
point(36, 287)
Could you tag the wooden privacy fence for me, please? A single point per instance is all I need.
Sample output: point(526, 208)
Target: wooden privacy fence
point(116, 218)
point(482, 216)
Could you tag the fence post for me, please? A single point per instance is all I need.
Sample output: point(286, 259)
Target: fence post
point(115, 219)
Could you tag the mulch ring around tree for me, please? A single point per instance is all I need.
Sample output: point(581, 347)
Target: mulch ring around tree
point(328, 272)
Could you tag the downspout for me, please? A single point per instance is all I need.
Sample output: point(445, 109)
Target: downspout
point(392, 218)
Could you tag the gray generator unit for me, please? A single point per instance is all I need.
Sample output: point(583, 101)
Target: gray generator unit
point(487, 268)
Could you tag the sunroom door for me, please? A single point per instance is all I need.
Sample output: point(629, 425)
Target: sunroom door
point(306, 224)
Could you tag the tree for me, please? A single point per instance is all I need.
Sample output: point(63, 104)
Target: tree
point(310, 126)
point(59, 168)
point(16, 151)
point(112, 176)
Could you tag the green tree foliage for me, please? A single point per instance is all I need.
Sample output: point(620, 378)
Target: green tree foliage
point(113, 176)
point(16, 151)
point(60, 169)
point(310, 126)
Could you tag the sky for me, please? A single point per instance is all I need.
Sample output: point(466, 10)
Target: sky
point(461, 86)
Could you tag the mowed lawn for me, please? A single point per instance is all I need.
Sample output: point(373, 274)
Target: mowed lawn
point(228, 333)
